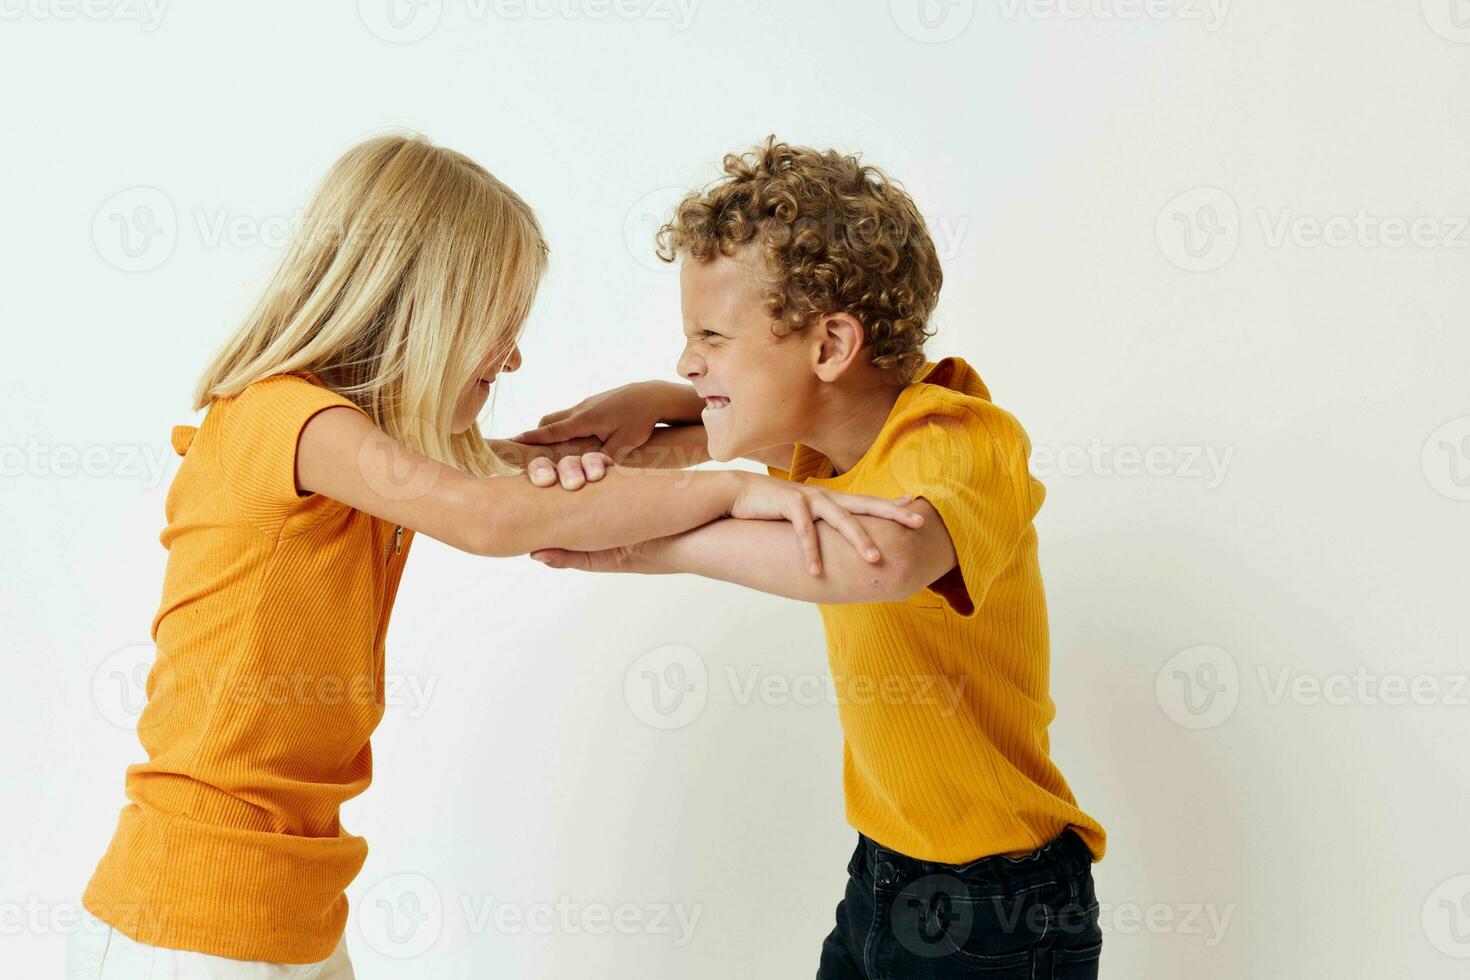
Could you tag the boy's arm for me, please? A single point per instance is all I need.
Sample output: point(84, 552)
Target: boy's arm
point(668, 447)
point(685, 445)
point(521, 454)
point(747, 553)
point(678, 446)
point(626, 424)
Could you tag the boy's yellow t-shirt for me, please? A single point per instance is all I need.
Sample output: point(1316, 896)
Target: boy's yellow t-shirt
point(943, 697)
point(267, 682)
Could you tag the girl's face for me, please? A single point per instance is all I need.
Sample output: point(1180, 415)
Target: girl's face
point(473, 398)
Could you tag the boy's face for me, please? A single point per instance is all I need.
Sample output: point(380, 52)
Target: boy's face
point(755, 384)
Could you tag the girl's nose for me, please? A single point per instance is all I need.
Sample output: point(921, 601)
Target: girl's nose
point(513, 363)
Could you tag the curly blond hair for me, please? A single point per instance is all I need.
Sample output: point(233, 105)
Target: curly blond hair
point(838, 236)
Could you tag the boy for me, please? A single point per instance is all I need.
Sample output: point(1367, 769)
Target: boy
point(807, 282)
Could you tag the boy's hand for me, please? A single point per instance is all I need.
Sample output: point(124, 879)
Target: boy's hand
point(620, 419)
point(521, 454)
point(573, 472)
point(624, 559)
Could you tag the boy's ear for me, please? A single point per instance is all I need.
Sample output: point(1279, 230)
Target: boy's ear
point(837, 344)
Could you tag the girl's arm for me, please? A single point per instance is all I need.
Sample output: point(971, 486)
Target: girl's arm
point(342, 455)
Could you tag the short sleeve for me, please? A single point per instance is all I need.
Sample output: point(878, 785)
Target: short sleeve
point(258, 441)
point(968, 459)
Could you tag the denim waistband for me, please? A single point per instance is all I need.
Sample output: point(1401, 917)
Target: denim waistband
point(1065, 857)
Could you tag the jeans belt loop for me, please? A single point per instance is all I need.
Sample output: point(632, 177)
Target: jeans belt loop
point(1061, 866)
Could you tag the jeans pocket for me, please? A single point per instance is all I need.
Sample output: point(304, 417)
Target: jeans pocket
point(937, 927)
point(994, 966)
point(1076, 963)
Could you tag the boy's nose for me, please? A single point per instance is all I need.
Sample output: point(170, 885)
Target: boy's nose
point(690, 365)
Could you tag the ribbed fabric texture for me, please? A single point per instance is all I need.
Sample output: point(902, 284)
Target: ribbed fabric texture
point(944, 698)
point(267, 684)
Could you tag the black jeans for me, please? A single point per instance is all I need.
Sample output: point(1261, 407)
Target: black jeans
point(1028, 918)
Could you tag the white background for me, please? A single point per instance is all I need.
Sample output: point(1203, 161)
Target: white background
point(1255, 830)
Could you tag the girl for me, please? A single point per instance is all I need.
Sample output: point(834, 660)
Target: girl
point(341, 421)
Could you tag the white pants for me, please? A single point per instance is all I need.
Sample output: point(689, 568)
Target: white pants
point(96, 951)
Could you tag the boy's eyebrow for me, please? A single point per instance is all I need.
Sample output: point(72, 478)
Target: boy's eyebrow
point(698, 327)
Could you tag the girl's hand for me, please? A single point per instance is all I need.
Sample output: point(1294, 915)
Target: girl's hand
point(620, 419)
point(765, 498)
point(573, 472)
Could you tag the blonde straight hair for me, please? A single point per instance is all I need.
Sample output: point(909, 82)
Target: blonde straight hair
point(412, 264)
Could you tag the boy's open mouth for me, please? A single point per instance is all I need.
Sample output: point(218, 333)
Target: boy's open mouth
point(715, 401)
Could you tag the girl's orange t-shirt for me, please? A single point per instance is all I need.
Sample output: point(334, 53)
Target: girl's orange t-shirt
point(267, 684)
